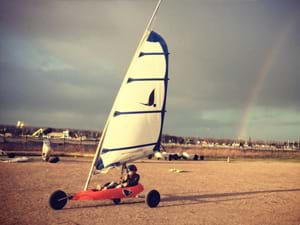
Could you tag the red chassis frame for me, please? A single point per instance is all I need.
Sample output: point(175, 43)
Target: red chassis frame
point(114, 193)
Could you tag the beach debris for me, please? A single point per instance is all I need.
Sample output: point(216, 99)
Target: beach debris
point(174, 170)
point(8, 154)
point(16, 160)
point(9, 157)
point(2, 153)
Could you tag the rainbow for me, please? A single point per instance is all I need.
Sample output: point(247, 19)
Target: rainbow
point(263, 73)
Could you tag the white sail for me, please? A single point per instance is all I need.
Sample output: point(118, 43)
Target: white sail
point(46, 150)
point(134, 127)
point(135, 124)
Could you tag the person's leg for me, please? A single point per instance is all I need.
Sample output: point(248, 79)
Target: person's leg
point(103, 187)
point(112, 185)
point(106, 184)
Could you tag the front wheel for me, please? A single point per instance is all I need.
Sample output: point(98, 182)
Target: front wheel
point(152, 198)
point(58, 200)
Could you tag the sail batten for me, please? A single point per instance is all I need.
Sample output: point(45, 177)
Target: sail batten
point(117, 113)
point(152, 53)
point(128, 147)
point(146, 79)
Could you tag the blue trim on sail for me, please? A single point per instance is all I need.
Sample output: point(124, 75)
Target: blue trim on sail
point(152, 53)
point(99, 164)
point(155, 37)
point(105, 150)
point(118, 113)
point(145, 79)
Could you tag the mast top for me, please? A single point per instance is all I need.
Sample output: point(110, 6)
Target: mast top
point(152, 19)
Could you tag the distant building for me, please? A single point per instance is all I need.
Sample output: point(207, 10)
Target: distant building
point(55, 134)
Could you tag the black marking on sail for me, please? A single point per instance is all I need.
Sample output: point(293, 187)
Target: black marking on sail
point(118, 113)
point(152, 53)
point(130, 79)
point(105, 150)
point(151, 99)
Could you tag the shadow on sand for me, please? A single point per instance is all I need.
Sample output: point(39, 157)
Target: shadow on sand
point(101, 204)
point(210, 198)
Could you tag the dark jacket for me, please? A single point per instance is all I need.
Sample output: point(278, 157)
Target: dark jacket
point(133, 180)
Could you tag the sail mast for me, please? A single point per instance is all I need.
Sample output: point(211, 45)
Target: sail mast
point(149, 25)
point(95, 159)
point(99, 147)
point(152, 19)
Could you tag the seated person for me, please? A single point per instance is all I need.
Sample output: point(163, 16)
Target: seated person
point(131, 180)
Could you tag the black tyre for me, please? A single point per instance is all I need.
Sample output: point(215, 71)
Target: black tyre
point(58, 200)
point(195, 157)
point(170, 157)
point(152, 198)
point(11, 155)
point(175, 157)
point(117, 201)
point(54, 159)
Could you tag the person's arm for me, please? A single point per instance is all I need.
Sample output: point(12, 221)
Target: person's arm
point(124, 183)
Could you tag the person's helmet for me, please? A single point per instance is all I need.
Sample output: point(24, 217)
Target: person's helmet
point(132, 168)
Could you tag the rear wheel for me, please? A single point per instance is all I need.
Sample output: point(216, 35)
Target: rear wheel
point(54, 159)
point(58, 200)
point(152, 198)
point(117, 201)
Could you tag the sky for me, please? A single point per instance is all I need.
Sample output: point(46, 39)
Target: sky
point(234, 64)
